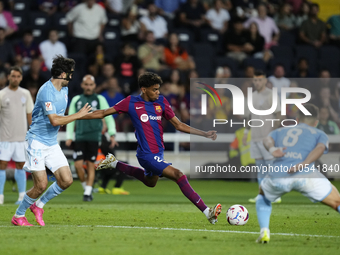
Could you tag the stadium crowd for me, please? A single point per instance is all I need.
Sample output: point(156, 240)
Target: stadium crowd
point(116, 40)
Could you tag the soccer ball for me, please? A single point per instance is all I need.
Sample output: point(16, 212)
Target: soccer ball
point(237, 215)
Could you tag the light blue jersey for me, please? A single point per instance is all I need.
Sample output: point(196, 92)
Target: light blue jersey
point(300, 141)
point(49, 101)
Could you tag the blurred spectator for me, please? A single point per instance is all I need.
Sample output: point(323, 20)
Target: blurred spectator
point(303, 69)
point(67, 5)
point(155, 23)
point(245, 8)
point(278, 80)
point(324, 99)
point(296, 5)
point(325, 124)
point(217, 17)
point(86, 23)
point(26, 50)
point(313, 30)
point(249, 72)
point(6, 50)
point(6, 21)
point(237, 42)
point(334, 33)
point(127, 66)
point(285, 19)
point(266, 25)
point(34, 78)
point(114, 6)
point(48, 6)
point(218, 111)
point(291, 109)
point(167, 7)
point(222, 72)
point(177, 57)
point(107, 72)
point(191, 15)
point(303, 14)
point(3, 79)
point(96, 61)
point(151, 54)
point(130, 29)
point(326, 81)
point(112, 93)
point(257, 41)
point(52, 47)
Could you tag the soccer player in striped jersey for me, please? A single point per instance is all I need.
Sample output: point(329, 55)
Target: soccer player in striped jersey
point(147, 111)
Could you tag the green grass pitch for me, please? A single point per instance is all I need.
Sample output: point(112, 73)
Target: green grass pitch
point(161, 221)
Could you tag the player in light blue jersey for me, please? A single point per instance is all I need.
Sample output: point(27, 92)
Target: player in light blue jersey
point(42, 146)
point(295, 150)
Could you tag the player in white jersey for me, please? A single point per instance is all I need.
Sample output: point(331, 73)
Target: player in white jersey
point(43, 149)
point(262, 100)
point(16, 105)
point(295, 149)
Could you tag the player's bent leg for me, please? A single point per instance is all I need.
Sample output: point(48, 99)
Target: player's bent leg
point(333, 199)
point(259, 162)
point(78, 164)
point(263, 211)
point(182, 181)
point(39, 186)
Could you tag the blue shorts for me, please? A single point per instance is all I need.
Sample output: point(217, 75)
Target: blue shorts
point(154, 164)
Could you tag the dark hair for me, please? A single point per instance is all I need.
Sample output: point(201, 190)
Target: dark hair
point(15, 68)
point(149, 79)
point(315, 5)
point(61, 65)
point(313, 109)
point(259, 72)
point(2, 29)
point(302, 59)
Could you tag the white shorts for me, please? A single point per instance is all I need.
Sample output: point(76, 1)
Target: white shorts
point(316, 187)
point(39, 155)
point(258, 151)
point(13, 150)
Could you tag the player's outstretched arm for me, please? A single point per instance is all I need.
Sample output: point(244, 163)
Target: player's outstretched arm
point(269, 144)
point(57, 120)
point(99, 114)
point(180, 126)
point(312, 156)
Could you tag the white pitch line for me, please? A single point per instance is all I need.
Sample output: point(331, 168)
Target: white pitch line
point(181, 229)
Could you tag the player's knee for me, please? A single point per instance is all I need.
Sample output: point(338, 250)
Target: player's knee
point(41, 187)
point(178, 175)
point(67, 182)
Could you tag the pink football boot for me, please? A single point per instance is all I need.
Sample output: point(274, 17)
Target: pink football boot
point(38, 213)
point(22, 221)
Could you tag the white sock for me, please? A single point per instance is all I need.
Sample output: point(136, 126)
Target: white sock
point(39, 203)
point(21, 196)
point(18, 216)
point(206, 212)
point(84, 185)
point(1, 199)
point(114, 164)
point(88, 190)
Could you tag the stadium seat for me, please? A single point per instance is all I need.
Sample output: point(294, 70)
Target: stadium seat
point(185, 37)
point(203, 50)
point(286, 62)
point(113, 20)
point(226, 61)
point(22, 5)
point(287, 38)
point(59, 21)
point(20, 19)
point(256, 63)
point(283, 51)
point(330, 59)
point(204, 67)
point(308, 52)
point(111, 35)
point(39, 20)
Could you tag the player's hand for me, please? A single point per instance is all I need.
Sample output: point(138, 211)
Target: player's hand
point(297, 167)
point(68, 142)
point(211, 134)
point(85, 110)
point(279, 152)
point(113, 143)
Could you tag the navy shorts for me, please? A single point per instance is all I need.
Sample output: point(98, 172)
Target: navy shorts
point(154, 164)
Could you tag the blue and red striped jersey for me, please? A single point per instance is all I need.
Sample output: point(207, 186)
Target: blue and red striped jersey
point(147, 120)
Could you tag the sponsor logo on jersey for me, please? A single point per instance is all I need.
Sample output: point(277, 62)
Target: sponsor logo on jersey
point(292, 154)
point(144, 117)
point(48, 106)
point(158, 108)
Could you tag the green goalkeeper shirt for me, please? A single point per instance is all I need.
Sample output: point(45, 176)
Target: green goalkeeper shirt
point(89, 130)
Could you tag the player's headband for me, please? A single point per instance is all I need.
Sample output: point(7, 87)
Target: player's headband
point(68, 76)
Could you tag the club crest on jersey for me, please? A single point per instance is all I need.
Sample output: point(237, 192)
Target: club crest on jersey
point(48, 106)
point(35, 161)
point(158, 108)
point(23, 100)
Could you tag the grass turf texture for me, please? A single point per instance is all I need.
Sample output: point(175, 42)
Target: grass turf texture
point(77, 227)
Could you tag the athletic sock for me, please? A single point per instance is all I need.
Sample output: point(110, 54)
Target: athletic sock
point(260, 163)
point(2, 181)
point(26, 202)
point(188, 191)
point(114, 164)
point(53, 191)
point(20, 178)
point(83, 184)
point(339, 208)
point(136, 172)
point(263, 211)
point(88, 190)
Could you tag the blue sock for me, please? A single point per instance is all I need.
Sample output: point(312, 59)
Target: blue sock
point(26, 202)
point(2, 181)
point(259, 163)
point(263, 211)
point(53, 191)
point(20, 178)
point(339, 208)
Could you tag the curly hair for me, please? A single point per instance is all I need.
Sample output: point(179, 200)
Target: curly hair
point(149, 79)
point(61, 65)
